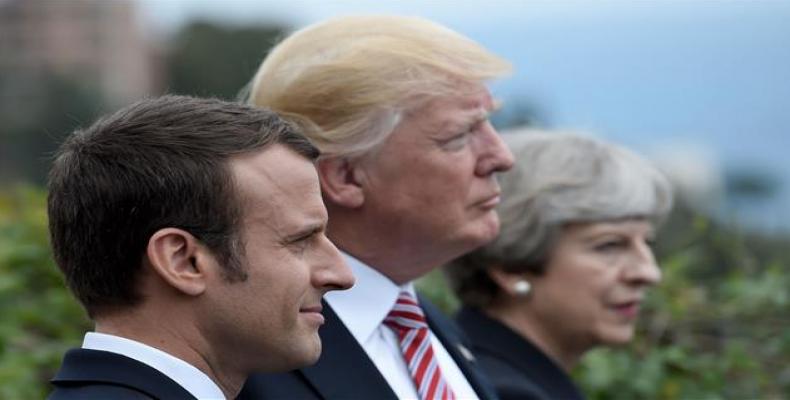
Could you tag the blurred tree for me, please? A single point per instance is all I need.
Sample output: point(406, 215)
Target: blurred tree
point(214, 60)
point(715, 328)
point(35, 123)
point(520, 112)
point(750, 184)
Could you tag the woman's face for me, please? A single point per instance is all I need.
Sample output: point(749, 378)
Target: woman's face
point(594, 282)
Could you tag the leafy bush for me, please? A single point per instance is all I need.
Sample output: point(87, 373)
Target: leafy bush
point(715, 328)
point(39, 320)
point(703, 335)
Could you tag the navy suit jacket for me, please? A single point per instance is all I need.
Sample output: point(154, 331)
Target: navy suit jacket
point(94, 374)
point(344, 370)
point(519, 370)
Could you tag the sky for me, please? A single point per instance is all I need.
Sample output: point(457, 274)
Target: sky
point(701, 85)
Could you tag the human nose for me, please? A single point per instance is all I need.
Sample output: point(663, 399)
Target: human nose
point(494, 154)
point(331, 272)
point(645, 270)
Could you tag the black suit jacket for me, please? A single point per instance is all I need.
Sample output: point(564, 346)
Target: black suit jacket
point(93, 374)
point(344, 370)
point(518, 369)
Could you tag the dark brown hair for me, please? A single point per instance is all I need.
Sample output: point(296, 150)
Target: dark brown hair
point(160, 162)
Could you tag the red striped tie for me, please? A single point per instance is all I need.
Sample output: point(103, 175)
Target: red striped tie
point(408, 321)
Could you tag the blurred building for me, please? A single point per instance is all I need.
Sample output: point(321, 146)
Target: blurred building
point(97, 42)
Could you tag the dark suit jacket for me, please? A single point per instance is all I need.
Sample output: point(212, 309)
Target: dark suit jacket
point(92, 374)
point(345, 371)
point(518, 369)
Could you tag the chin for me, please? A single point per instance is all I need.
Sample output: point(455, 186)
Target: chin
point(311, 352)
point(301, 355)
point(487, 229)
point(618, 337)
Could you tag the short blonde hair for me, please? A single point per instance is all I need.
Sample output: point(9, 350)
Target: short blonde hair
point(353, 77)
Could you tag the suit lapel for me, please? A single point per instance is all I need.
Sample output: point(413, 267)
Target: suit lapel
point(344, 370)
point(85, 365)
point(454, 343)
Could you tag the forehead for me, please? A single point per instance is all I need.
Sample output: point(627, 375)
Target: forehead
point(277, 186)
point(469, 98)
point(440, 116)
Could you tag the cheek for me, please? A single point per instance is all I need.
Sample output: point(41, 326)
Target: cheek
point(450, 187)
point(280, 277)
point(431, 190)
point(292, 279)
point(580, 294)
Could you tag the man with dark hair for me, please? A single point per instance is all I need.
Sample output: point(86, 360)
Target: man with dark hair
point(193, 232)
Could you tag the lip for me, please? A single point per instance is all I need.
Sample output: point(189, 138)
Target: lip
point(317, 308)
point(490, 202)
point(628, 309)
point(313, 313)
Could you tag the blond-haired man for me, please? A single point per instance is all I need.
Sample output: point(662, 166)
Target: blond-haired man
point(399, 109)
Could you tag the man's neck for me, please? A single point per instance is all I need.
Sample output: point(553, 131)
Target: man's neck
point(189, 348)
point(400, 260)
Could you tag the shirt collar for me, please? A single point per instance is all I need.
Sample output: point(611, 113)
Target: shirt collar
point(190, 378)
point(364, 307)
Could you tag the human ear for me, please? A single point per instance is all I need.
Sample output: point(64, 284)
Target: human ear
point(515, 285)
point(178, 259)
point(341, 182)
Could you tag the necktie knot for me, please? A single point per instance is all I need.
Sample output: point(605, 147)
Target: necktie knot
point(406, 314)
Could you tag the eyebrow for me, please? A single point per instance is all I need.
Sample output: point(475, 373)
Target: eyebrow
point(479, 114)
point(607, 231)
point(482, 113)
point(467, 122)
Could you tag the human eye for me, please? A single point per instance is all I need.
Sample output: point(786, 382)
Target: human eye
point(300, 242)
point(457, 141)
point(610, 245)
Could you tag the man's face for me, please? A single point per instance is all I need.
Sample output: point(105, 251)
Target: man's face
point(431, 185)
point(270, 321)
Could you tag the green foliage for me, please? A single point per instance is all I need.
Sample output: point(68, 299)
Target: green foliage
point(39, 320)
point(715, 328)
point(721, 337)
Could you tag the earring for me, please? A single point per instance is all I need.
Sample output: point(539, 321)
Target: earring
point(522, 288)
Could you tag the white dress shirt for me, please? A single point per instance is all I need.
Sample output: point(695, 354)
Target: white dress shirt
point(190, 378)
point(363, 309)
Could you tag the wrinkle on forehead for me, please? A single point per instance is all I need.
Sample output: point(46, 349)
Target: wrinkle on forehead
point(466, 114)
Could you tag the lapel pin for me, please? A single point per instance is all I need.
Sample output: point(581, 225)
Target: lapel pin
point(466, 353)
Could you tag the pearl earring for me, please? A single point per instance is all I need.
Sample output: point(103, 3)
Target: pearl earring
point(522, 288)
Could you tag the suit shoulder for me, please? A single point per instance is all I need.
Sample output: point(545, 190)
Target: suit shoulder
point(285, 386)
point(509, 382)
point(96, 391)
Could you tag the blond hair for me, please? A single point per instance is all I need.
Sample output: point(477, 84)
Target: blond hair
point(353, 77)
